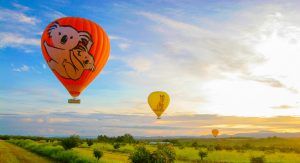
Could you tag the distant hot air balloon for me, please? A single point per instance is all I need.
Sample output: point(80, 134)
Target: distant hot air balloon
point(158, 102)
point(76, 50)
point(215, 132)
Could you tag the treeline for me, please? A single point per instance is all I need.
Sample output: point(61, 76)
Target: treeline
point(242, 147)
point(126, 138)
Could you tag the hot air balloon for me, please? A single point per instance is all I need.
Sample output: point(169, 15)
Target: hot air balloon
point(76, 50)
point(158, 102)
point(215, 132)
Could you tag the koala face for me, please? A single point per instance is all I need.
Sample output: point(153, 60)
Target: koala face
point(64, 37)
point(85, 58)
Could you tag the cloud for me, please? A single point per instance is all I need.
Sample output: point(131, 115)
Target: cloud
point(123, 46)
point(201, 62)
point(114, 37)
point(122, 43)
point(23, 68)
point(19, 29)
point(11, 15)
point(270, 81)
point(52, 14)
point(142, 125)
point(16, 40)
point(21, 7)
point(283, 107)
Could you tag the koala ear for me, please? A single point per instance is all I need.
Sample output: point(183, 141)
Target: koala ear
point(86, 39)
point(52, 27)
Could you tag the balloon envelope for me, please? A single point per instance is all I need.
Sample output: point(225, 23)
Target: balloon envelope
point(76, 50)
point(158, 102)
point(215, 132)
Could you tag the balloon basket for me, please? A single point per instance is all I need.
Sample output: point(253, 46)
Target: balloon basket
point(158, 118)
point(74, 101)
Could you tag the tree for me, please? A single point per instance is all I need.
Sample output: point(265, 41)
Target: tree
point(117, 145)
point(103, 138)
point(89, 142)
point(127, 138)
point(140, 155)
point(195, 145)
point(165, 153)
point(71, 142)
point(203, 153)
point(98, 153)
point(258, 159)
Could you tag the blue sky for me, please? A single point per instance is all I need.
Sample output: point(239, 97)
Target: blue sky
point(218, 58)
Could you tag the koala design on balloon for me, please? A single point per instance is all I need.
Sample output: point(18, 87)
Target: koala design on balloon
point(70, 51)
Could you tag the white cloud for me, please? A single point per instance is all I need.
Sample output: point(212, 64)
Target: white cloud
point(21, 7)
point(123, 46)
point(52, 14)
point(16, 40)
point(23, 68)
point(11, 15)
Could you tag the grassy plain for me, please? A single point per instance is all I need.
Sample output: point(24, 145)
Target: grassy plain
point(10, 153)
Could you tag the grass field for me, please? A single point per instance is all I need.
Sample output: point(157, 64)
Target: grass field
point(13, 154)
point(189, 154)
point(275, 150)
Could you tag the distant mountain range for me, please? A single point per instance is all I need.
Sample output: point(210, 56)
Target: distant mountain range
point(261, 134)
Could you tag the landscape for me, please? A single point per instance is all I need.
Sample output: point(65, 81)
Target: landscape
point(127, 149)
point(160, 81)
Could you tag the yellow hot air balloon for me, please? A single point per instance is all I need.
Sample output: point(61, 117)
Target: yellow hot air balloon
point(158, 102)
point(215, 132)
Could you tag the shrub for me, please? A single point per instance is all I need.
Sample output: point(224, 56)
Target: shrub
point(164, 154)
point(71, 142)
point(117, 145)
point(89, 142)
point(218, 147)
point(56, 153)
point(203, 153)
point(195, 145)
point(140, 155)
point(257, 159)
point(98, 153)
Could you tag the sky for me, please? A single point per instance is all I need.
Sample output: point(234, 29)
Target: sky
point(231, 65)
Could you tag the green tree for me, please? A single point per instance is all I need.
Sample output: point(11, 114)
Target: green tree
point(71, 142)
point(257, 159)
point(98, 153)
point(163, 154)
point(195, 145)
point(89, 142)
point(117, 145)
point(140, 155)
point(203, 153)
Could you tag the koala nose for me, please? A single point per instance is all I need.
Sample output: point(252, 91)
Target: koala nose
point(64, 39)
point(86, 61)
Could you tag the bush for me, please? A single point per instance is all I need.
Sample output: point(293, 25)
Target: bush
point(140, 155)
point(218, 147)
point(89, 142)
point(71, 142)
point(56, 153)
point(203, 153)
point(117, 146)
point(195, 145)
point(98, 153)
point(163, 154)
point(257, 159)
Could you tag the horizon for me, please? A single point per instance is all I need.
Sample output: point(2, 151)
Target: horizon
point(226, 65)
